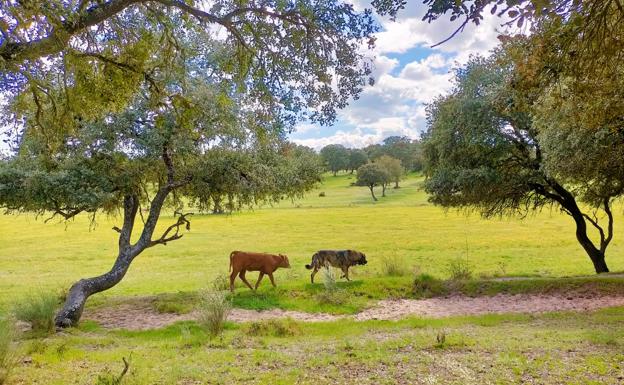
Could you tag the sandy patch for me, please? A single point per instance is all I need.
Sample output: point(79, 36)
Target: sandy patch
point(141, 316)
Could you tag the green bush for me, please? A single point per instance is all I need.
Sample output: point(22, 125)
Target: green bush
point(214, 307)
point(426, 286)
point(272, 327)
point(7, 353)
point(38, 310)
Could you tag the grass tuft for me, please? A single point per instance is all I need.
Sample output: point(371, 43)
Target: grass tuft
point(273, 328)
point(459, 270)
point(38, 310)
point(7, 352)
point(426, 286)
point(394, 266)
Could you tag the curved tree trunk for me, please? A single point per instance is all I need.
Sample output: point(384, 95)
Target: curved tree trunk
point(78, 294)
point(596, 255)
point(372, 193)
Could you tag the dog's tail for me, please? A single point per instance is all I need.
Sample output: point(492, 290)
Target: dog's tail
point(312, 264)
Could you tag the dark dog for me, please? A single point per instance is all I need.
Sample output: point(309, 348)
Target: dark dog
point(342, 259)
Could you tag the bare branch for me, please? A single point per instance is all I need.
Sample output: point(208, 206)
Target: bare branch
point(165, 237)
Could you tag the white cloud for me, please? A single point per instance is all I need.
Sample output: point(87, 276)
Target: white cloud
point(395, 105)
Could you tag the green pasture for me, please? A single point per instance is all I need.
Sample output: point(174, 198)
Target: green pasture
point(402, 226)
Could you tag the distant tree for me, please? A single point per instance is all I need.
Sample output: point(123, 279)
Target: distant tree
point(335, 157)
point(357, 158)
point(484, 151)
point(393, 167)
point(371, 175)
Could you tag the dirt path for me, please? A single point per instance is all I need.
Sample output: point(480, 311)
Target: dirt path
point(141, 316)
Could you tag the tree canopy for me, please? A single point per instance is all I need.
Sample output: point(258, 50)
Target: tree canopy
point(136, 106)
point(335, 157)
point(371, 175)
point(489, 148)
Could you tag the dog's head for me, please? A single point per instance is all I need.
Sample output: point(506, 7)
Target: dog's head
point(285, 262)
point(362, 260)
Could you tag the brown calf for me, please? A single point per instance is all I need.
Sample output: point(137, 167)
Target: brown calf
point(241, 262)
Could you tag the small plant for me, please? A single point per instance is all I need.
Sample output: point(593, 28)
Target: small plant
point(273, 327)
point(111, 379)
point(502, 268)
point(440, 339)
point(38, 310)
point(393, 266)
point(459, 270)
point(332, 294)
point(214, 308)
point(221, 283)
point(329, 279)
point(322, 194)
point(7, 352)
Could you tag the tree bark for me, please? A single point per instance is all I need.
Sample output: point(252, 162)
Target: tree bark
point(596, 255)
point(372, 193)
point(396, 184)
point(383, 189)
point(78, 294)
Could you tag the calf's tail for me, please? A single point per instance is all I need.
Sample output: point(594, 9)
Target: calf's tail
point(231, 257)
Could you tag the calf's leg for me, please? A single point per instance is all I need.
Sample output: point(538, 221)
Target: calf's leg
point(259, 279)
point(272, 281)
point(242, 277)
point(232, 278)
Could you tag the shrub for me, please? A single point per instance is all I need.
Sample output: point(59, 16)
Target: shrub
point(273, 327)
point(38, 310)
point(214, 307)
point(322, 194)
point(329, 279)
point(7, 353)
point(427, 286)
point(459, 270)
point(221, 283)
point(332, 294)
point(393, 266)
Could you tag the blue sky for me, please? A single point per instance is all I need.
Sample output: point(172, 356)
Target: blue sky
point(408, 75)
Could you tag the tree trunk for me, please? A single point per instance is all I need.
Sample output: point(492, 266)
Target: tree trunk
point(396, 184)
point(372, 193)
point(596, 255)
point(78, 294)
point(383, 190)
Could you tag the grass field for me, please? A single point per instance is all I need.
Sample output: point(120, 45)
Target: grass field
point(551, 348)
point(403, 226)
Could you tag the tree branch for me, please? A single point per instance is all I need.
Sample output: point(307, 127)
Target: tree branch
point(165, 237)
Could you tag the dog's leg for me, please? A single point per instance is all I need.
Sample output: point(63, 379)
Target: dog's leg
point(346, 272)
point(313, 274)
point(259, 279)
point(271, 278)
point(242, 277)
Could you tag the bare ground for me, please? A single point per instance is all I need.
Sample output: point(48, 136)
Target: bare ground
point(141, 315)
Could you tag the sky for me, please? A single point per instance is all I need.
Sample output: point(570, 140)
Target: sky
point(408, 75)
